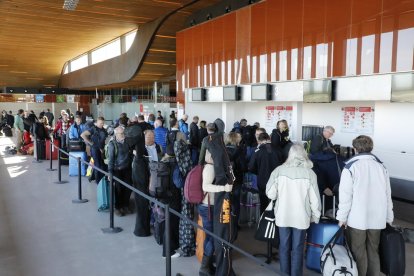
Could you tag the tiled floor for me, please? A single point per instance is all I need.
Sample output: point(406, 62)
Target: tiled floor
point(42, 233)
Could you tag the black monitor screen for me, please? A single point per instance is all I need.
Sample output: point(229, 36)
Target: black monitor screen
point(261, 92)
point(230, 93)
point(317, 91)
point(198, 94)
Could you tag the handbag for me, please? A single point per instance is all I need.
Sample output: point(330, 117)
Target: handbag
point(267, 229)
point(76, 145)
point(336, 258)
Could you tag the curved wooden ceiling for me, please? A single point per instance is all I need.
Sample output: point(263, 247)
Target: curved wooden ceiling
point(38, 37)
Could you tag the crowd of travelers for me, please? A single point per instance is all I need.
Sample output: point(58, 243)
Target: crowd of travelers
point(157, 160)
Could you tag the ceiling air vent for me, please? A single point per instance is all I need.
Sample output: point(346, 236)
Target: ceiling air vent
point(70, 5)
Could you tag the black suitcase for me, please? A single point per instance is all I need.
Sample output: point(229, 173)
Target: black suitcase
point(7, 131)
point(40, 150)
point(392, 252)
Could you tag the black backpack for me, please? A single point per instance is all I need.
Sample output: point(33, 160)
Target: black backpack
point(160, 177)
point(133, 134)
point(171, 137)
point(39, 131)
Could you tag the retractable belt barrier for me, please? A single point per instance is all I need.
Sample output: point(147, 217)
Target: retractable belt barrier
point(168, 210)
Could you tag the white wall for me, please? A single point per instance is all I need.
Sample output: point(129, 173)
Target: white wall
point(393, 127)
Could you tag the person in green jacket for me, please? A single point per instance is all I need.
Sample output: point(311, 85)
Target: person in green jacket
point(19, 128)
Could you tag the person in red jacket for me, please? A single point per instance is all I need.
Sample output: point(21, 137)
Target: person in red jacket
point(62, 128)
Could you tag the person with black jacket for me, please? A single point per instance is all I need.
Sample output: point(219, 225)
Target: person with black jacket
point(202, 132)
point(171, 137)
point(239, 166)
point(50, 116)
point(194, 140)
point(280, 137)
point(95, 137)
point(144, 147)
point(10, 119)
point(222, 220)
point(326, 164)
point(144, 125)
point(119, 166)
point(262, 163)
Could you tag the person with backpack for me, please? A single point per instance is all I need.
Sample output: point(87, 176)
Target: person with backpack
point(223, 219)
point(171, 137)
point(264, 160)
point(145, 151)
point(183, 126)
point(120, 166)
point(182, 168)
point(95, 136)
point(62, 129)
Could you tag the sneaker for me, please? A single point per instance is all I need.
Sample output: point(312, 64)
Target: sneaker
point(175, 255)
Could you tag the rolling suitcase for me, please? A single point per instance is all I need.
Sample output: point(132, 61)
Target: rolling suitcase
point(73, 163)
point(159, 223)
point(392, 252)
point(102, 196)
point(54, 150)
point(318, 235)
point(249, 207)
point(39, 150)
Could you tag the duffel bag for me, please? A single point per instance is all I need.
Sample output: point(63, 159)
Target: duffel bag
point(76, 145)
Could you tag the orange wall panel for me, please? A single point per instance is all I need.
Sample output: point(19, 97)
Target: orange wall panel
point(278, 40)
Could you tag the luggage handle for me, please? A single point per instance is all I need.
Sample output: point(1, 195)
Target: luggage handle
point(323, 205)
point(332, 242)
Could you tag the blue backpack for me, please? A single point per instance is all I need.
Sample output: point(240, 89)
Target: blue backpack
point(178, 178)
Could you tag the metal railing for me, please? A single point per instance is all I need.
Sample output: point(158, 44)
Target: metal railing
point(167, 209)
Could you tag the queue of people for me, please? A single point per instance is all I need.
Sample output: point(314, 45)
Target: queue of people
point(154, 159)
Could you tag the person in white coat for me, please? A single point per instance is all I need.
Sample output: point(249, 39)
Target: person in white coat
point(365, 205)
point(294, 187)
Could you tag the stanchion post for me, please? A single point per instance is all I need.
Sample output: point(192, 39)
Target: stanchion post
point(60, 171)
point(111, 229)
point(167, 241)
point(51, 169)
point(79, 200)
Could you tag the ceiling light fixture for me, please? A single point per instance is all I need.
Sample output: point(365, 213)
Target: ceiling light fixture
point(70, 5)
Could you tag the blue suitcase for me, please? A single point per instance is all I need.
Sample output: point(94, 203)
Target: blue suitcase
point(73, 163)
point(102, 196)
point(318, 235)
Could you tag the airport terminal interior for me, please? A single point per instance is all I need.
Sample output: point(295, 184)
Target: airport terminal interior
point(342, 66)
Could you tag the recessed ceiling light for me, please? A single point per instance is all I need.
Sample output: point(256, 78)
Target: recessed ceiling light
point(18, 72)
point(25, 91)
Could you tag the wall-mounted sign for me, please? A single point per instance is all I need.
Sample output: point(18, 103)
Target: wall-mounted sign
point(108, 99)
point(358, 119)
point(70, 98)
point(60, 98)
point(40, 98)
point(277, 113)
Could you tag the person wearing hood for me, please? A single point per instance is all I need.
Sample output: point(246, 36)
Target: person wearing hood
point(223, 218)
point(263, 161)
point(294, 187)
point(219, 126)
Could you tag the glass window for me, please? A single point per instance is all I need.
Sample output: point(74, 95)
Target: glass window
point(321, 60)
point(405, 49)
point(367, 54)
point(386, 52)
point(307, 62)
point(351, 56)
point(294, 64)
point(79, 63)
point(129, 38)
point(107, 51)
point(282, 65)
point(66, 69)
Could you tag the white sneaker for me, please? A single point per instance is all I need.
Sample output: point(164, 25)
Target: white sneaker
point(175, 255)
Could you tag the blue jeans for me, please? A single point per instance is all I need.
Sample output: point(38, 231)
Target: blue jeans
point(194, 156)
point(291, 247)
point(207, 224)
